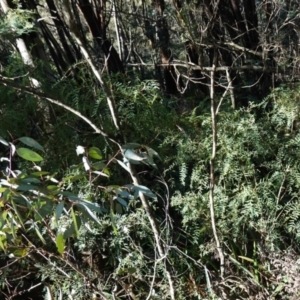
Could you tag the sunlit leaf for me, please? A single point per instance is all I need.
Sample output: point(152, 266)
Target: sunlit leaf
point(28, 141)
point(75, 222)
point(132, 155)
point(54, 189)
point(21, 252)
point(100, 173)
point(123, 165)
point(143, 189)
point(111, 188)
point(93, 206)
point(60, 243)
point(2, 240)
point(99, 165)
point(3, 218)
point(28, 154)
point(95, 153)
point(40, 173)
point(12, 226)
point(90, 213)
point(3, 141)
point(38, 232)
point(70, 232)
point(2, 189)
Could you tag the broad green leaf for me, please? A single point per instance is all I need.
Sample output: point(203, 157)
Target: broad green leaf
point(17, 213)
point(2, 240)
point(70, 232)
point(21, 252)
point(132, 155)
point(75, 222)
point(99, 165)
point(93, 206)
point(90, 213)
point(151, 162)
point(28, 154)
point(95, 153)
point(3, 218)
point(29, 180)
point(60, 243)
point(122, 201)
point(246, 258)
point(131, 146)
point(3, 141)
point(58, 210)
point(38, 232)
point(40, 173)
point(28, 141)
point(53, 189)
point(111, 188)
point(123, 165)
point(143, 189)
point(68, 194)
point(152, 152)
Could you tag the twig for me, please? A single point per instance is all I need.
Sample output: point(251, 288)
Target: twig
point(212, 165)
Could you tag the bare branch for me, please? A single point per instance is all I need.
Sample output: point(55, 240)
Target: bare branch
point(212, 164)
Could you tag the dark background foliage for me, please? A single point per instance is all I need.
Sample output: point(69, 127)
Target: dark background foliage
point(75, 224)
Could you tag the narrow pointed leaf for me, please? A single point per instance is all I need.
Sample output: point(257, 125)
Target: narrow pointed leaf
point(74, 222)
point(58, 210)
point(39, 234)
point(90, 213)
point(28, 141)
point(3, 141)
point(28, 154)
point(60, 243)
point(146, 191)
point(123, 165)
point(122, 201)
point(132, 155)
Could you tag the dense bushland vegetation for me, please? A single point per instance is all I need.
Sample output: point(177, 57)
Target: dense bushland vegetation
point(149, 149)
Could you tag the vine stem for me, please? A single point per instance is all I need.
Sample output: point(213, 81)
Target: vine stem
point(212, 162)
